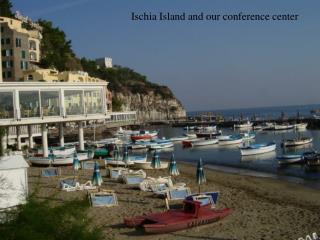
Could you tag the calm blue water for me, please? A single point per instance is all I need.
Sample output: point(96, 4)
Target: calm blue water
point(227, 157)
point(265, 112)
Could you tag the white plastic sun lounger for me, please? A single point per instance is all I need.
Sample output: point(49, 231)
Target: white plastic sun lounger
point(103, 198)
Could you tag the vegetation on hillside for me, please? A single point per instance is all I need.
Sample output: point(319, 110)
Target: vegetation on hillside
point(39, 220)
point(5, 8)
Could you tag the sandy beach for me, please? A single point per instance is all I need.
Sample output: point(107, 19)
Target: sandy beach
point(263, 208)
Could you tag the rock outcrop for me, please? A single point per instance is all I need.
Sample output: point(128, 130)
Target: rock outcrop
point(151, 106)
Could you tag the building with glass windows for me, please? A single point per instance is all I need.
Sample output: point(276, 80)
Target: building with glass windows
point(20, 48)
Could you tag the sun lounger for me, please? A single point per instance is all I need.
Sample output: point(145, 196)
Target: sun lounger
point(88, 165)
point(150, 184)
point(116, 173)
point(103, 198)
point(71, 185)
point(134, 178)
point(205, 198)
point(177, 193)
point(50, 172)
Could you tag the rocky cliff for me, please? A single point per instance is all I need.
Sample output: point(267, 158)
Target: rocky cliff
point(151, 106)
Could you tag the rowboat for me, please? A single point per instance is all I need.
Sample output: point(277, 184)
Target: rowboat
point(296, 142)
point(58, 159)
point(147, 165)
point(193, 214)
point(301, 126)
point(204, 142)
point(246, 124)
point(290, 158)
point(260, 148)
point(163, 145)
point(229, 140)
point(179, 138)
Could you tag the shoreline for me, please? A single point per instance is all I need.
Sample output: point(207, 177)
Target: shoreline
point(264, 208)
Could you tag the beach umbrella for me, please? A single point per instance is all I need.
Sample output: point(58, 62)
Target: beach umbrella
point(155, 162)
point(96, 178)
point(76, 163)
point(116, 152)
point(125, 157)
point(201, 178)
point(173, 170)
point(51, 156)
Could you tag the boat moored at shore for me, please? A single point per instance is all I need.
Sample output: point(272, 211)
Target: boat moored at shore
point(258, 148)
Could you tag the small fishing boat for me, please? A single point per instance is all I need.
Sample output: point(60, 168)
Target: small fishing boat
point(247, 136)
point(206, 128)
point(58, 160)
point(284, 126)
point(123, 132)
point(159, 144)
point(208, 134)
point(188, 143)
point(136, 146)
point(106, 141)
point(296, 142)
point(242, 125)
point(301, 126)
point(193, 214)
point(190, 135)
point(179, 138)
point(312, 159)
point(204, 142)
point(290, 158)
point(229, 140)
point(148, 165)
point(143, 135)
point(62, 151)
point(260, 148)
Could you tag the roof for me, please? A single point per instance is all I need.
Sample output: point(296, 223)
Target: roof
point(13, 162)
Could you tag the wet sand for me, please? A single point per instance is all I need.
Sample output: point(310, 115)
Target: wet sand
point(263, 208)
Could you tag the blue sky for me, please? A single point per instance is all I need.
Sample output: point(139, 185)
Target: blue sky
point(208, 65)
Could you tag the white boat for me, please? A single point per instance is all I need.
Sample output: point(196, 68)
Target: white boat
point(279, 127)
point(246, 124)
point(204, 142)
point(229, 139)
point(301, 126)
point(147, 165)
point(253, 149)
point(296, 142)
point(248, 136)
point(208, 134)
point(190, 135)
point(123, 132)
point(136, 146)
point(58, 160)
point(103, 142)
point(206, 128)
point(161, 145)
point(179, 138)
point(61, 151)
point(290, 158)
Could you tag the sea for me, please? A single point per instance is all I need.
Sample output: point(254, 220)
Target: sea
point(228, 158)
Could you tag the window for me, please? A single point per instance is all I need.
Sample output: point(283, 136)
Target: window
point(7, 64)
point(11, 52)
point(33, 56)
point(3, 74)
point(32, 45)
point(2, 41)
point(18, 42)
point(23, 54)
point(29, 103)
point(7, 40)
point(9, 74)
point(6, 53)
point(6, 105)
point(73, 100)
point(30, 77)
point(2, 29)
point(50, 104)
point(23, 65)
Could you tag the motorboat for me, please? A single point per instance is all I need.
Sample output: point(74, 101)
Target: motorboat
point(190, 135)
point(160, 144)
point(300, 126)
point(208, 134)
point(296, 142)
point(143, 135)
point(242, 125)
point(258, 148)
point(61, 151)
point(229, 140)
point(290, 158)
point(247, 136)
point(204, 142)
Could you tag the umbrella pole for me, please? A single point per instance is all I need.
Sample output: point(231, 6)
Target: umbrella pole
point(199, 188)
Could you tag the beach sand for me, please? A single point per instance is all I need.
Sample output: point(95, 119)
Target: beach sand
point(263, 208)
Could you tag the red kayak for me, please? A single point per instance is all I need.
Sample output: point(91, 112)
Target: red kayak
point(192, 214)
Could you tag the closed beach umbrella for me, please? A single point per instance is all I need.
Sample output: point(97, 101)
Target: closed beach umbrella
point(173, 170)
point(51, 156)
point(201, 178)
point(76, 162)
point(125, 157)
point(96, 178)
point(156, 163)
point(116, 152)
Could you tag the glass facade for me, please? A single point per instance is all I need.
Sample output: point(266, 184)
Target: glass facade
point(50, 104)
point(6, 105)
point(93, 101)
point(73, 101)
point(29, 104)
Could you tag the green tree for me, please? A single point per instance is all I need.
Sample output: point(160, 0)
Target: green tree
point(56, 51)
point(5, 8)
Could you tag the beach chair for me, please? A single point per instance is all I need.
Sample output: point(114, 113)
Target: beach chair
point(69, 184)
point(50, 172)
point(176, 194)
point(86, 186)
point(87, 165)
point(116, 173)
point(102, 198)
point(205, 198)
point(134, 178)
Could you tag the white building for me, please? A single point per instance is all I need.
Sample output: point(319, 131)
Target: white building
point(104, 62)
point(13, 181)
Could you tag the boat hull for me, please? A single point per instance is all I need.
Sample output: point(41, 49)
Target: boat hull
point(255, 151)
point(204, 142)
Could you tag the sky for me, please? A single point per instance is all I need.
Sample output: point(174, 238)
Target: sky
point(207, 64)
